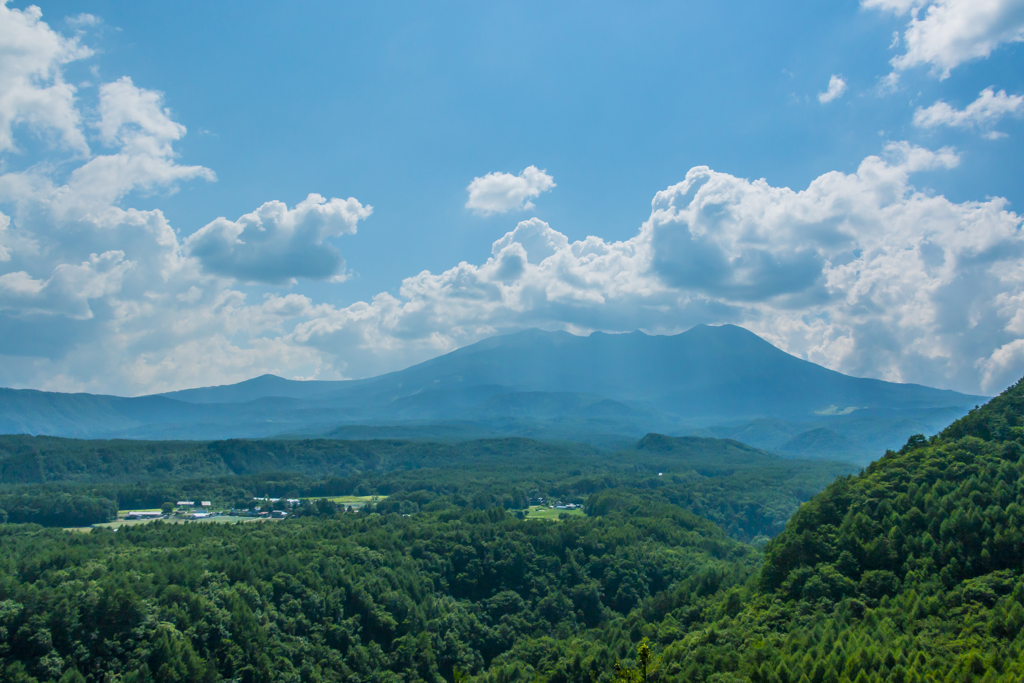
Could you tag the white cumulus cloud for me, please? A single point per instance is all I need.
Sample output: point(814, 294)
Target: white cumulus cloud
point(982, 113)
point(946, 33)
point(276, 244)
point(97, 296)
point(862, 272)
point(504, 192)
point(32, 88)
point(132, 122)
point(1003, 367)
point(130, 116)
point(836, 88)
point(68, 290)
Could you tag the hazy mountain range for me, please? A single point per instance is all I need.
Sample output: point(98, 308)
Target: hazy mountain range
point(604, 389)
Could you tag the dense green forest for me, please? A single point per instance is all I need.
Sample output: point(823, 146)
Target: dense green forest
point(911, 570)
point(69, 482)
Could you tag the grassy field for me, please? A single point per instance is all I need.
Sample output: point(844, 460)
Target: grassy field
point(354, 501)
point(544, 512)
point(349, 500)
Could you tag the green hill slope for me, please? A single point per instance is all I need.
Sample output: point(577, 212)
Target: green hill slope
point(911, 571)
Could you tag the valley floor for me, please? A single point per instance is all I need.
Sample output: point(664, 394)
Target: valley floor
point(692, 559)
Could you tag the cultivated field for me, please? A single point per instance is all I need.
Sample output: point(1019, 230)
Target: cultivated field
point(544, 512)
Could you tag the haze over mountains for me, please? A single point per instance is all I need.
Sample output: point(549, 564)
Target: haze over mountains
point(604, 388)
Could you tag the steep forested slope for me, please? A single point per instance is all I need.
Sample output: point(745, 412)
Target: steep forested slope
point(910, 571)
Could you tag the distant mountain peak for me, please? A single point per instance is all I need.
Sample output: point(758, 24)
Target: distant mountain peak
point(549, 384)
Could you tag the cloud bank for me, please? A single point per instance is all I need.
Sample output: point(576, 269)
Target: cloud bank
point(981, 114)
point(504, 192)
point(862, 272)
point(859, 272)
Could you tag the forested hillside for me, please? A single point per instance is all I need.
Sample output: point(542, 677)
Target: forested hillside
point(357, 597)
point(43, 459)
point(910, 571)
point(69, 482)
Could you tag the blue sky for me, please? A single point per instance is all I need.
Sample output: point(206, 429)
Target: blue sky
point(401, 107)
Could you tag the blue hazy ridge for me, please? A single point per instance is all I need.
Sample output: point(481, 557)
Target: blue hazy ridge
point(722, 382)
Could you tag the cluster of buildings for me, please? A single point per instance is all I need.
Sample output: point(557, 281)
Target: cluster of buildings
point(267, 514)
point(189, 509)
point(274, 514)
point(290, 502)
point(559, 505)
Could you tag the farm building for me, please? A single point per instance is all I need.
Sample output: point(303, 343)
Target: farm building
point(144, 514)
